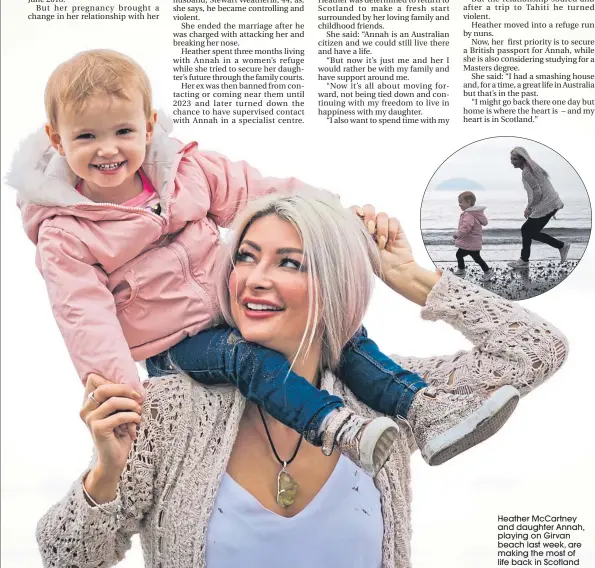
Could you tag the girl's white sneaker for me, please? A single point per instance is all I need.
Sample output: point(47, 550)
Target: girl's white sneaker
point(366, 442)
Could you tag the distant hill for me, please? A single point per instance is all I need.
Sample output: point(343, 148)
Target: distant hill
point(459, 184)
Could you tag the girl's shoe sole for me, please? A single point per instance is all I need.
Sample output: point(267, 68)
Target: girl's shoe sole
point(377, 443)
point(476, 428)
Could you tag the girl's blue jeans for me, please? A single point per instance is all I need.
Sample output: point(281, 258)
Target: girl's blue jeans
point(220, 355)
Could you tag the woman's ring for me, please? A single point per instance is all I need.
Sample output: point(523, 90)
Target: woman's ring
point(91, 395)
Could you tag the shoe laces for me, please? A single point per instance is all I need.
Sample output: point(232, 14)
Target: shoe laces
point(451, 392)
point(351, 428)
point(404, 421)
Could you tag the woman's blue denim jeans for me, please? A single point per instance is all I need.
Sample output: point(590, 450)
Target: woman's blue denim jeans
point(220, 355)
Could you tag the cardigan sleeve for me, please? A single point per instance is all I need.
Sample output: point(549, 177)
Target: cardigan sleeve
point(74, 533)
point(511, 345)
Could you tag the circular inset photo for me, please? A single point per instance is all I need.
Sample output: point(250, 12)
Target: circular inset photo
point(508, 213)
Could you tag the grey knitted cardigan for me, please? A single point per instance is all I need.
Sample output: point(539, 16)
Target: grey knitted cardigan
point(168, 488)
point(542, 198)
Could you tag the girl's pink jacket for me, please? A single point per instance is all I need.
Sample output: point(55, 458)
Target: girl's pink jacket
point(471, 224)
point(126, 284)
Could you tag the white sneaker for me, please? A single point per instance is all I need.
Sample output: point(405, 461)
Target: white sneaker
point(520, 263)
point(488, 275)
point(564, 252)
point(460, 272)
point(368, 443)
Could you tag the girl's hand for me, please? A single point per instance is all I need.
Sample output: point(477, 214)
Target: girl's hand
point(111, 405)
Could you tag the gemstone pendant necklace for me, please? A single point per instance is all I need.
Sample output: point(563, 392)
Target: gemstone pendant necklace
point(287, 486)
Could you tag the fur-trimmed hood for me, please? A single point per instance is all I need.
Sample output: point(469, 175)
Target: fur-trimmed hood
point(42, 177)
point(478, 211)
point(46, 186)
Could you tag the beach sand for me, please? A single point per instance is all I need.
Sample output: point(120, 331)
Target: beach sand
point(540, 277)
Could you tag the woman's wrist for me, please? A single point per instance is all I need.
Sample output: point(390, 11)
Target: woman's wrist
point(101, 485)
point(412, 281)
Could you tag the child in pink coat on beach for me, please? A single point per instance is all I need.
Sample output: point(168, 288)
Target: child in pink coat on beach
point(125, 220)
point(469, 235)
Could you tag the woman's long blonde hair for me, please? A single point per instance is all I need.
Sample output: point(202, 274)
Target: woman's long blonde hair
point(531, 164)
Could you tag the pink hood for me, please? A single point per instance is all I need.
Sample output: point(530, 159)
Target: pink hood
point(125, 283)
point(46, 184)
point(469, 232)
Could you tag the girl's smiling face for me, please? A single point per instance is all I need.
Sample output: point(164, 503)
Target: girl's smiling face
point(105, 143)
point(268, 287)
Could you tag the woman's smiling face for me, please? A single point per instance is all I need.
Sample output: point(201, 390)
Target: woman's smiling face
point(516, 160)
point(268, 287)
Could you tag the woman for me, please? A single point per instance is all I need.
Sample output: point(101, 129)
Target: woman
point(202, 481)
point(543, 204)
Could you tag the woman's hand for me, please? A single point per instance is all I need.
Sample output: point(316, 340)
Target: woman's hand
point(399, 270)
point(395, 252)
point(110, 406)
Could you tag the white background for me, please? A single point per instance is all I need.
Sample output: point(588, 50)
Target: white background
point(541, 463)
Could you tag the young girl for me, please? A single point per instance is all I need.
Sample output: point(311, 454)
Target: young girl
point(125, 220)
point(469, 234)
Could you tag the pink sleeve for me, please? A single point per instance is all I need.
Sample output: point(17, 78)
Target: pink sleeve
point(84, 308)
point(233, 184)
point(464, 226)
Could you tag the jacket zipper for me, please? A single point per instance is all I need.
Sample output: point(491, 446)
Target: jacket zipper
point(170, 183)
point(116, 206)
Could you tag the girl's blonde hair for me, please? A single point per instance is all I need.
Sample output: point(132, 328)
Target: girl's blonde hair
point(91, 73)
point(341, 260)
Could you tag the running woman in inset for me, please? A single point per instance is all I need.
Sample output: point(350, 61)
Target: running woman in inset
point(543, 204)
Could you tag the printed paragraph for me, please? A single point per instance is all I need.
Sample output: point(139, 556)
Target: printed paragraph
point(48, 10)
point(528, 60)
point(539, 540)
point(383, 62)
point(238, 72)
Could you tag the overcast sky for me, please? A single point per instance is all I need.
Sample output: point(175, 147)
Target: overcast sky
point(487, 162)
